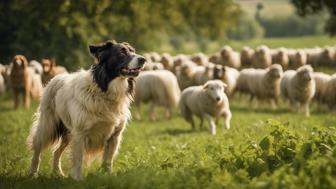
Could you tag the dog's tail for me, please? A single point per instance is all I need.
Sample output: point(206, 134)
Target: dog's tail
point(47, 127)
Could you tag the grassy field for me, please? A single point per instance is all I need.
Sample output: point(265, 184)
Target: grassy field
point(263, 149)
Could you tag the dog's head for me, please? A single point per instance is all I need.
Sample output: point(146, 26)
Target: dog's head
point(48, 64)
point(20, 62)
point(114, 60)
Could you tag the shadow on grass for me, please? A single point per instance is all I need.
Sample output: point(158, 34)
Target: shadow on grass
point(176, 131)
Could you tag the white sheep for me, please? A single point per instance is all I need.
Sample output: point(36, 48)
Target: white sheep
point(246, 55)
point(185, 73)
point(199, 59)
point(228, 75)
point(262, 58)
point(299, 88)
point(203, 74)
point(208, 101)
point(167, 60)
point(228, 57)
point(297, 58)
point(160, 88)
point(321, 80)
point(330, 93)
point(281, 57)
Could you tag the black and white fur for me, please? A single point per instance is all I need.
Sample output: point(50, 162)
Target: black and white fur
point(87, 109)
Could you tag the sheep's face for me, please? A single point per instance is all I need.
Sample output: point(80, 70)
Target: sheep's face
point(276, 71)
point(305, 75)
point(215, 89)
point(218, 72)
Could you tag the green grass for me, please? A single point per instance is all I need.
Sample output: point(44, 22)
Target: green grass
point(167, 154)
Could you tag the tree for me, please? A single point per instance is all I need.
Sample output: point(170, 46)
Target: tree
point(62, 29)
point(306, 7)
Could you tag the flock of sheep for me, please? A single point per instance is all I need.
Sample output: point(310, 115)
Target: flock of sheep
point(201, 85)
point(262, 73)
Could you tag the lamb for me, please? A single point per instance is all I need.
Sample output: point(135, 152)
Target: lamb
point(228, 57)
point(264, 84)
point(246, 55)
point(262, 57)
point(228, 75)
point(207, 101)
point(321, 80)
point(299, 88)
point(160, 88)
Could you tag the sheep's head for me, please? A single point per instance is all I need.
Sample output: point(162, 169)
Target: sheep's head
point(305, 73)
point(215, 90)
point(218, 72)
point(275, 71)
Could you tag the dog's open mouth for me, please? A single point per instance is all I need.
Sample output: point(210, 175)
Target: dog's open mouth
point(130, 72)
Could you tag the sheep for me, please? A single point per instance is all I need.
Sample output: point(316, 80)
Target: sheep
point(228, 75)
point(203, 74)
point(262, 58)
point(215, 58)
point(330, 93)
point(178, 61)
point(281, 57)
point(264, 84)
point(153, 66)
point(297, 58)
point(207, 101)
point(167, 61)
point(185, 73)
point(199, 59)
point(228, 57)
point(160, 88)
point(246, 55)
point(298, 86)
point(154, 56)
point(36, 66)
point(321, 80)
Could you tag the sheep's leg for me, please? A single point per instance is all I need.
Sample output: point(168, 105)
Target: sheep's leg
point(189, 119)
point(77, 153)
point(227, 116)
point(26, 99)
point(306, 109)
point(152, 111)
point(111, 148)
point(211, 124)
point(201, 122)
point(57, 169)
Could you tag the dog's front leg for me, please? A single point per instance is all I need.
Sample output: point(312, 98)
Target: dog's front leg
point(112, 147)
point(77, 153)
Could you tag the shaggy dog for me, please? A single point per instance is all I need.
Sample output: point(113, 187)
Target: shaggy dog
point(24, 81)
point(50, 70)
point(87, 109)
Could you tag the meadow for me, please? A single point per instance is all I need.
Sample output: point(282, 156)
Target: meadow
point(264, 148)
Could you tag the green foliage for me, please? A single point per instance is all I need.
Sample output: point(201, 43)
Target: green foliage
point(63, 28)
point(257, 152)
point(247, 28)
point(285, 26)
point(307, 7)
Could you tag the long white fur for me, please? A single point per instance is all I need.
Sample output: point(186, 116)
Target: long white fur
point(95, 120)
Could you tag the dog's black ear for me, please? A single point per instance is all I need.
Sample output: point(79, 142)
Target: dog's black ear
point(95, 49)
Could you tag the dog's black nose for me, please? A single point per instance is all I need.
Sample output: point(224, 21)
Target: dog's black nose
point(141, 60)
point(218, 98)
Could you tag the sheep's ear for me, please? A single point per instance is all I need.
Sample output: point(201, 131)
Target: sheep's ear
point(205, 86)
